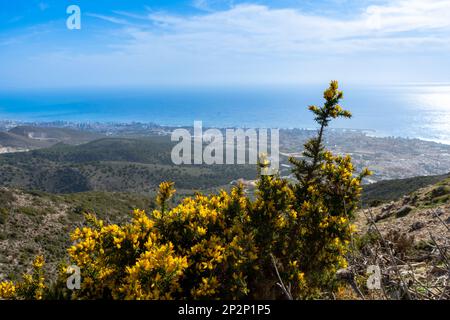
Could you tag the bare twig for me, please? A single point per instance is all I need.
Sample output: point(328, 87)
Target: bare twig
point(440, 219)
point(396, 269)
point(286, 290)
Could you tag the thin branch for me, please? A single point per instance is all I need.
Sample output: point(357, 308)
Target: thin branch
point(397, 271)
point(440, 219)
point(286, 291)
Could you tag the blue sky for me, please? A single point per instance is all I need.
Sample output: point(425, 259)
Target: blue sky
point(223, 42)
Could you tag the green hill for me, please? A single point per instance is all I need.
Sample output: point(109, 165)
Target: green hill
point(53, 134)
point(390, 190)
point(11, 140)
point(28, 137)
point(114, 165)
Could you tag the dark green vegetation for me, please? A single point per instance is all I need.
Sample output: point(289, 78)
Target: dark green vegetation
point(390, 190)
point(112, 164)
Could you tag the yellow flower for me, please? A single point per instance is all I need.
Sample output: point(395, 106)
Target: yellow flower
point(201, 231)
point(7, 290)
point(300, 277)
point(336, 241)
point(38, 262)
point(166, 191)
point(343, 220)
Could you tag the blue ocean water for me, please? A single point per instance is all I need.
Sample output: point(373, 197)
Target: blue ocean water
point(415, 111)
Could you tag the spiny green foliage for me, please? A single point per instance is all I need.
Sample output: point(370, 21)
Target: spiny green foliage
point(227, 246)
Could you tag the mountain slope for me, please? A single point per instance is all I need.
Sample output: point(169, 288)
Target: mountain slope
point(40, 223)
point(37, 222)
point(11, 140)
point(27, 137)
point(112, 164)
point(389, 190)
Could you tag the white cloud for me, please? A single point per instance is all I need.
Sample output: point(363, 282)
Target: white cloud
point(109, 19)
point(254, 43)
point(411, 15)
point(256, 29)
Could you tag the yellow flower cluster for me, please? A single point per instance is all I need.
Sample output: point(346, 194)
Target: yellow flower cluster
point(7, 290)
point(211, 233)
point(32, 286)
point(155, 275)
point(166, 191)
point(39, 262)
point(198, 249)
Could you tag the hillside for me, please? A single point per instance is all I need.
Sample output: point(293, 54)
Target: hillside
point(389, 190)
point(32, 223)
point(409, 239)
point(11, 140)
point(28, 137)
point(113, 165)
point(38, 222)
point(415, 213)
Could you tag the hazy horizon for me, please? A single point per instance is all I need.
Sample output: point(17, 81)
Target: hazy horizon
point(406, 111)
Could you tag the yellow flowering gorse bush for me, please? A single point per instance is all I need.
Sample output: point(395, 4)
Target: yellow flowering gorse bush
point(32, 286)
point(227, 245)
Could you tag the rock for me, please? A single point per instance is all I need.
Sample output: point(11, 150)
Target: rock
point(416, 226)
point(403, 211)
point(440, 191)
point(344, 274)
point(406, 200)
point(388, 207)
point(383, 215)
point(414, 199)
point(438, 271)
point(386, 212)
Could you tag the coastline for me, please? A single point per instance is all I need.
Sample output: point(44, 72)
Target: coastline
point(102, 126)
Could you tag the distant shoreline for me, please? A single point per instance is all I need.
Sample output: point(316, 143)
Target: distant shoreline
point(163, 129)
point(410, 112)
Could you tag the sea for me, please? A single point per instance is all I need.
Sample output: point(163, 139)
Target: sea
point(410, 110)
